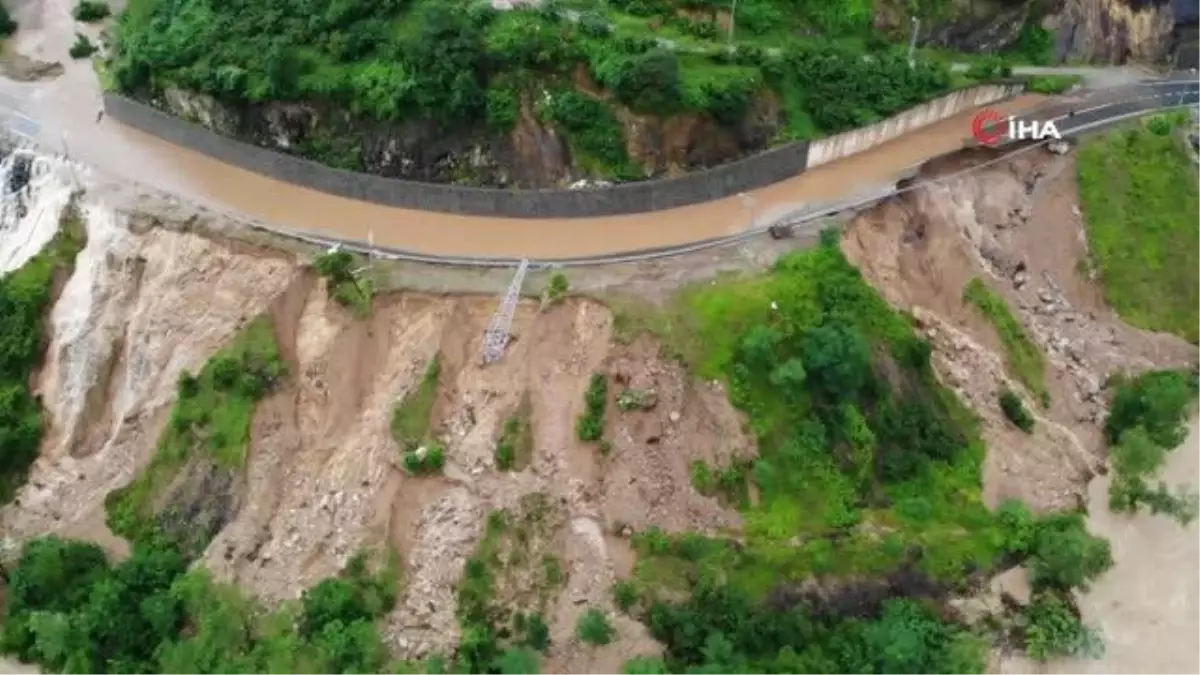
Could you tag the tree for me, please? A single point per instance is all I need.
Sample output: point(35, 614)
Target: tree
point(1053, 628)
point(837, 358)
point(1065, 555)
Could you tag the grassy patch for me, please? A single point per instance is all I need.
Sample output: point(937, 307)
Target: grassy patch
point(1023, 358)
point(1138, 192)
point(1051, 84)
point(867, 469)
point(25, 296)
point(514, 450)
point(411, 416)
point(91, 11)
point(212, 415)
point(590, 425)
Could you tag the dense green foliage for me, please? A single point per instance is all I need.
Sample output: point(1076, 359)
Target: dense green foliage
point(1015, 411)
point(1053, 628)
point(1138, 191)
point(868, 468)
point(1146, 423)
point(590, 426)
point(1023, 358)
point(69, 611)
point(25, 295)
point(210, 422)
point(337, 267)
point(468, 67)
point(90, 11)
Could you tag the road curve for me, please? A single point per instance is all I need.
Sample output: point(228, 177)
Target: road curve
point(67, 122)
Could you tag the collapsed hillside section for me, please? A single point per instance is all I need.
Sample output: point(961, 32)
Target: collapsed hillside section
point(324, 477)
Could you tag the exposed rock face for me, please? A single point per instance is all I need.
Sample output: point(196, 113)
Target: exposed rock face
point(1113, 31)
point(1094, 31)
point(532, 155)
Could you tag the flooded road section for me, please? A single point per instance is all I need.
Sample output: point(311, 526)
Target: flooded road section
point(1147, 606)
point(69, 105)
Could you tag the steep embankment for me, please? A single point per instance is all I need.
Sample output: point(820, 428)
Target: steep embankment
point(322, 478)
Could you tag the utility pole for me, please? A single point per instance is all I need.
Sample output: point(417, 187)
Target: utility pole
point(912, 40)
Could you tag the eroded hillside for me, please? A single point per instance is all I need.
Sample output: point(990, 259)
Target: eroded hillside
point(219, 394)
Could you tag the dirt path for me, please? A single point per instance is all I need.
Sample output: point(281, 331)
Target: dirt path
point(1148, 606)
point(66, 108)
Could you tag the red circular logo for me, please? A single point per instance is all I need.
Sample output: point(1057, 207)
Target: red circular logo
point(989, 127)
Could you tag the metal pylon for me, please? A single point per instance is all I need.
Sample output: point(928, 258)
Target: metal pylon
point(496, 337)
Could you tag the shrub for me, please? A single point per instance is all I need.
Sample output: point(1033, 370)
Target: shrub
point(1053, 628)
point(7, 25)
point(424, 461)
point(557, 288)
point(1015, 411)
point(625, 595)
point(1065, 555)
point(90, 11)
point(594, 628)
point(82, 48)
point(590, 426)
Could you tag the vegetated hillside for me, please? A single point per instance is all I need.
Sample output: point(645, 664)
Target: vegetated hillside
point(534, 96)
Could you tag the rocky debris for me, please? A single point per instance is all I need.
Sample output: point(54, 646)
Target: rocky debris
point(447, 533)
point(1058, 147)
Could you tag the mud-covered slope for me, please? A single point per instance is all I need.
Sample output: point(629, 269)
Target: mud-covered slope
point(1015, 225)
point(323, 480)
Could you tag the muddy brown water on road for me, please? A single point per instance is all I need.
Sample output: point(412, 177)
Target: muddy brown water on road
point(125, 153)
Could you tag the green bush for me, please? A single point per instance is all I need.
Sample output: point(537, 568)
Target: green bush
point(1015, 411)
point(1053, 628)
point(82, 47)
point(590, 426)
point(592, 131)
point(424, 461)
point(90, 11)
point(594, 628)
point(557, 288)
point(1064, 555)
point(625, 595)
point(7, 25)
